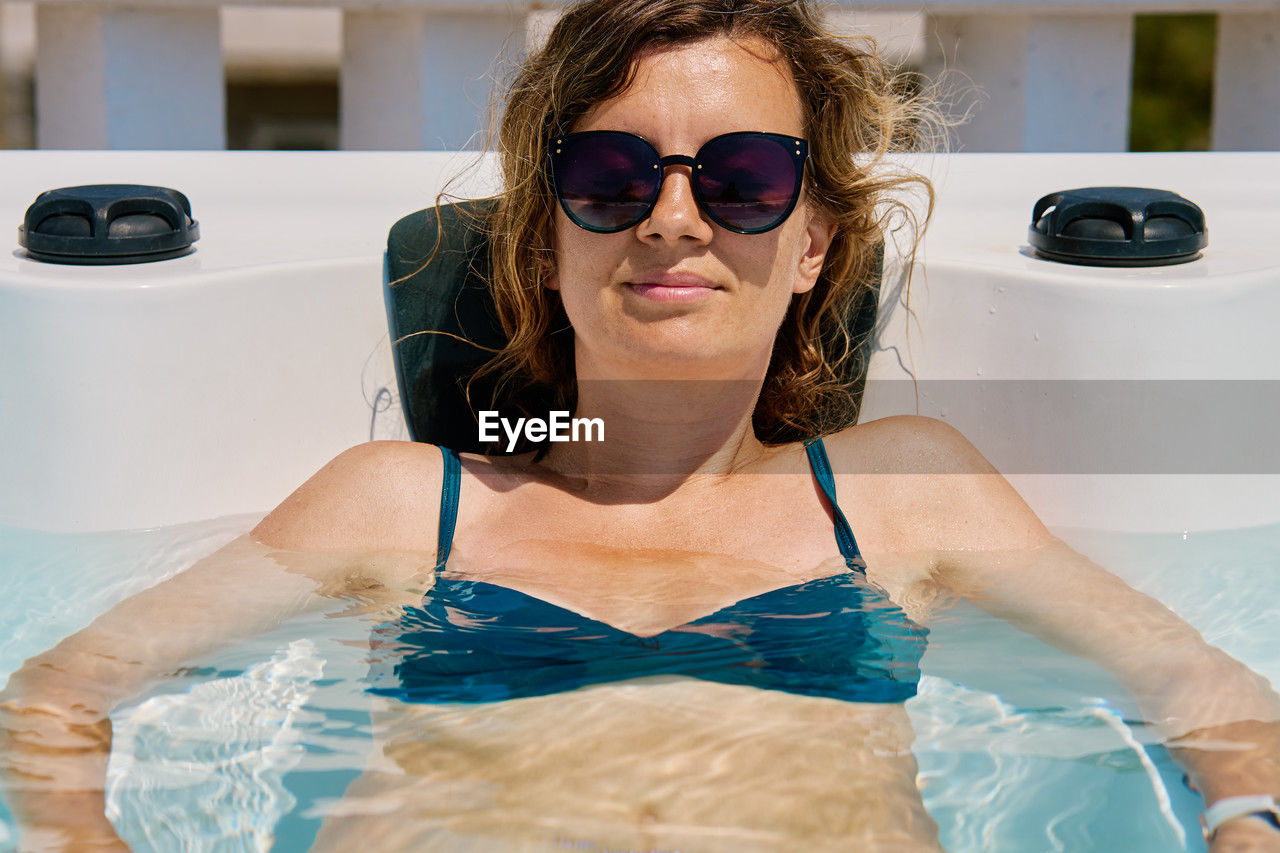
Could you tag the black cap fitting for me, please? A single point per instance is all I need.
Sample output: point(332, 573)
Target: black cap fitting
point(1117, 227)
point(108, 224)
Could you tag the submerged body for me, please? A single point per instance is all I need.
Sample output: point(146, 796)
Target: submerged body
point(656, 763)
point(653, 741)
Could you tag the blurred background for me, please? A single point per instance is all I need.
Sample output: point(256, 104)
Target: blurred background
point(282, 75)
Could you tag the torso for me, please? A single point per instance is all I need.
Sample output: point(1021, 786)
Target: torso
point(647, 762)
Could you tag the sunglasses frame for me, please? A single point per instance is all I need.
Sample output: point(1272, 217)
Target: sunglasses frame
point(798, 147)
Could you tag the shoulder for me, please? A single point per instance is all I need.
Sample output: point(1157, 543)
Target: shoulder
point(374, 496)
point(906, 444)
point(939, 484)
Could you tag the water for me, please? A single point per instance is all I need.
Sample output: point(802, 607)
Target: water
point(1019, 746)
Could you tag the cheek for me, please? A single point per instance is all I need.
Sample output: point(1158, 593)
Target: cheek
point(771, 261)
point(571, 252)
point(754, 259)
point(584, 264)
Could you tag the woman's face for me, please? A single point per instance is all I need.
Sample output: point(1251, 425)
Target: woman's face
point(678, 296)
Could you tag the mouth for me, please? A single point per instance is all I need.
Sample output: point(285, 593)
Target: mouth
point(673, 287)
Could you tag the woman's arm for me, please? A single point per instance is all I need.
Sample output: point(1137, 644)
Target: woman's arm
point(1221, 720)
point(340, 536)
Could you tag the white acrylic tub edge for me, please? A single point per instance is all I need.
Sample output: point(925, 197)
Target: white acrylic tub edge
point(152, 408)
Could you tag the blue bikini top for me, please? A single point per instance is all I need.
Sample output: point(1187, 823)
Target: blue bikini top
point(471, 641)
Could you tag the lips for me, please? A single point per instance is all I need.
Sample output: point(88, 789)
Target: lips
point(672, 287)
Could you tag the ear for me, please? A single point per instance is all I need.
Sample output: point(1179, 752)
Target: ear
point(818, 235)
point(550, 279)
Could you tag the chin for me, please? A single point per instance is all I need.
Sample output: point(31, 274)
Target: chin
point(688, 360)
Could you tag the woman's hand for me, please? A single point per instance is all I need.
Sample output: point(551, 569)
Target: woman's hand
point(1245, 835)
point(52, 768)
point(71, 822)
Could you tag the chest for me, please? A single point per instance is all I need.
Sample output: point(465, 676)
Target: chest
point(647, 567)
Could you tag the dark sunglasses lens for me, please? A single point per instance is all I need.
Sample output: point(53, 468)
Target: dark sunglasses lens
point(606, 182)
point(749, 182)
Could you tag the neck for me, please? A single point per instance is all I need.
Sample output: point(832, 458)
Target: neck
point(660, 433)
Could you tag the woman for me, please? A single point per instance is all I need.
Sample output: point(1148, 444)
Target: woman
point(656, 643)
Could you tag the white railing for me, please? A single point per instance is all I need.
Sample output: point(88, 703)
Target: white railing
point(417, 74)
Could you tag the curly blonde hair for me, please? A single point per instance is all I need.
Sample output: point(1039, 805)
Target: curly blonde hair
point(856, 109)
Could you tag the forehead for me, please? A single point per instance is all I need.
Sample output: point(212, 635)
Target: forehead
point(692, 92)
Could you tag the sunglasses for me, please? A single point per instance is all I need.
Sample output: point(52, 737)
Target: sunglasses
point(746, 182)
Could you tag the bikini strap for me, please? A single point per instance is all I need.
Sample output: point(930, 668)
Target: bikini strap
point(821, 466)
point(450, 488)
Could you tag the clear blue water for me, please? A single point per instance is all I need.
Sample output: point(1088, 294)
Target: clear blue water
point(1020, 747)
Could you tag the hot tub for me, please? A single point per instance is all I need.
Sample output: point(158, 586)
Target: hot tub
point(149, 413)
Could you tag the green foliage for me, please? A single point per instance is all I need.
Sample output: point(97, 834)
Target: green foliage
point(1172, 103)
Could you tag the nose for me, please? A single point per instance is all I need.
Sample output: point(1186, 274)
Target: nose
point(675, 218)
